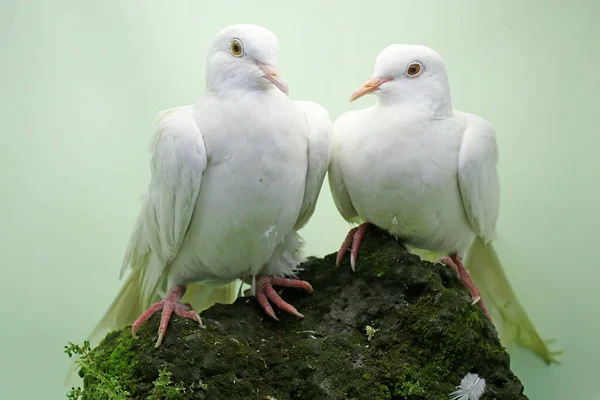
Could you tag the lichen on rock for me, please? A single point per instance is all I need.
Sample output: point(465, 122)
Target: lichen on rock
point(423, 338)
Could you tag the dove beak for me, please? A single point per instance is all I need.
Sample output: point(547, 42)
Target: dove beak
point(368, 87)
point(272, 75)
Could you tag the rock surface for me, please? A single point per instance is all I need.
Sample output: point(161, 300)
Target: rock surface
point(398, 328)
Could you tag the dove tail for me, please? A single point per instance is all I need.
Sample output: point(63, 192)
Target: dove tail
point(515, 326)
point(125, 308)
point(202, 295)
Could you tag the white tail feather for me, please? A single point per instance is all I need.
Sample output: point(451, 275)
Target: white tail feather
point(202, 296)
point(502, 304)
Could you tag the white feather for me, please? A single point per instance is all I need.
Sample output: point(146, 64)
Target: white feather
point(319, 155)
point(471, 387)
point(177, 164)
point(340, 194)
point(478, 176)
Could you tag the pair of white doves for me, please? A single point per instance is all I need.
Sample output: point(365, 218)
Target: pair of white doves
point(236, 175)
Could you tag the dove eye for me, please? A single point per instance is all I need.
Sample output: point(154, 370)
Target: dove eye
point(414, 70)
point(236, 48)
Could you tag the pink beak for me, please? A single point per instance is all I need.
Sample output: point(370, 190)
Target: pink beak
point(368, 87)
point(272, 74)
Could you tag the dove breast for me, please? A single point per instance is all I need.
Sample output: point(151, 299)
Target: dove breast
point(252, 189)
point(399, 167)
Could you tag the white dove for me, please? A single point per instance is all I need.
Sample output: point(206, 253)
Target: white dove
point(233, 178)
point(426, 173)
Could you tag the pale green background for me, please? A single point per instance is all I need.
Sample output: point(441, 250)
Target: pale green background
point(82, 81)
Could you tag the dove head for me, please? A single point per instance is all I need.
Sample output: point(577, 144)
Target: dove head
point(244, 57)
point(409, 74)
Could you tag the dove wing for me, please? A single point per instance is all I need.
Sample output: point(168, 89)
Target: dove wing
point(177, 163)
point(340, 195)
point(478, 177)
point(319, 155)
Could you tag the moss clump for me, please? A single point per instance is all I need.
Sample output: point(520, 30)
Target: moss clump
point(425, 338)
point(164, 389)
point(101, 384)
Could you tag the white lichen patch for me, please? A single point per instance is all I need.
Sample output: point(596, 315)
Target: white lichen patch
point(471, 387)
point(370, 332)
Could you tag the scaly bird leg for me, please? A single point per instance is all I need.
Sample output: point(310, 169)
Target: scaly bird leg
point(353, 238)
point(454, 261)
point(265, 292)
point(172, 302)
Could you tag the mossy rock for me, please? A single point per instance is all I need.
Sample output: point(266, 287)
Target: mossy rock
point(427, 338)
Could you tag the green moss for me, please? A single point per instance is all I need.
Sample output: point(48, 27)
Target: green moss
point(100, 384)
point(121, 360)
point(164, 389)
point(384, 393)
point(410, 388)
point(428, 337)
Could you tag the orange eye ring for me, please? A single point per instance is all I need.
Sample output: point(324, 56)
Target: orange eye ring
point(236, 48)
point(414, 70)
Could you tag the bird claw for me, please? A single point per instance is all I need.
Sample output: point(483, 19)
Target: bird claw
point(266, 292)
point(352, 241)
point(345, 246)
point(171, 303)
point(456, 264)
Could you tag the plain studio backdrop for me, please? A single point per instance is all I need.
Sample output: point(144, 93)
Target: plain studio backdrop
point(82, 82)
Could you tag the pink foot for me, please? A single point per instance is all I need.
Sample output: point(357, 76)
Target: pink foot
point(354, 237)
point(454, 261)
point(169, 304)
point(265, 292)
